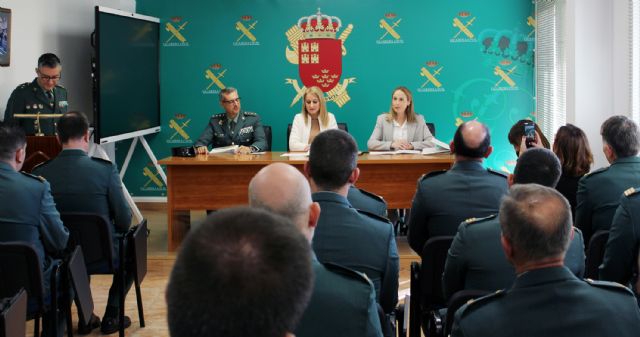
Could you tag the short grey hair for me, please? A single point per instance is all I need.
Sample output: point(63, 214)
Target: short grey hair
point(226, 91)
point(621, 133)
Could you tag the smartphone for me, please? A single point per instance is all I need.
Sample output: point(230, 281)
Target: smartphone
point(530, 134)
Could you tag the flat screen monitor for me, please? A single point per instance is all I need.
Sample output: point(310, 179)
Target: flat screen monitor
point(126, 75)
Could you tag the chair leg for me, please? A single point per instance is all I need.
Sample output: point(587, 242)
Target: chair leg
point(121, 289)
point(36, 328)
point(139, 301)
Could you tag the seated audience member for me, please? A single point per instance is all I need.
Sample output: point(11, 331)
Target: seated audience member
point(343, 302)
point(572, 148)
point(401, 128)
point(313, 119)
point(353, 238)
point(444, 199)
point(516, 134)
point(546, 299)
point(27, 210)
point(476, 260)
point(599, 191)
point(367, 201)
point(621, 253)
point(243, 272)
point(80, 183)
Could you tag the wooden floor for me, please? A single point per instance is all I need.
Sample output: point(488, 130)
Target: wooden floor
point(159, 267)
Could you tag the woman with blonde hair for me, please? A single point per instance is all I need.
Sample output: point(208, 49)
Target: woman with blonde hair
point(312, 120)
point(400, 128)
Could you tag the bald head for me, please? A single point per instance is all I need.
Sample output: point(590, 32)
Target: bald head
point(472, 140)
point(284, 190)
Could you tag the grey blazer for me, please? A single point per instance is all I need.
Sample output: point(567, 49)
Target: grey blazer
point(417, 133)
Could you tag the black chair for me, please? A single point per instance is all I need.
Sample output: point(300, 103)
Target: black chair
point(432, 128)
point(341, 126)
point(79, 280)
point(13, 314)
point(456, 301)
point(20, 269)
point(595, 254)
point(137, 246)
point(426, 288)
point(268, 136)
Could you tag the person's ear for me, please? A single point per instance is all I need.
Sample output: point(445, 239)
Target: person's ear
point(86, 136)
point(507, 248)
point(510, 180)
point(307, 170)
point(314, 215)
point(354, 175)
point(489, 151)
point(452, 148)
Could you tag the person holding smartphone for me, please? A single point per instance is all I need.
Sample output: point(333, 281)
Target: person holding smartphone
point(517, 136)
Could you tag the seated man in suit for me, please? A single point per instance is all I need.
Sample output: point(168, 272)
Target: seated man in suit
point(599, 191)
point(443, 199)
point(91, 185)
point(27, 210)
point(353, 238)
point(242, 272)
point(546, 299)
point(343, 302)
point(476, 260)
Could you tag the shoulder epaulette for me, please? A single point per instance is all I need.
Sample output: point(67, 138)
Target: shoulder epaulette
point(23, 85)
point(498, 173)
point(102, 160)
point(372, 195)
point(609, 285)
point(60, 86)
point(373, 215)
point(39, 178)
point(600, 170)
point(473, 304)
point(474, 220)
point(342, 270)
point(432, 174)
point(220, 115)
point(41, 164)
point(247, 113)
point(631, 191)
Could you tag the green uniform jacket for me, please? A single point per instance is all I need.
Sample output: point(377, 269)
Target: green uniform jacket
point(28, 213)
point(83, 184)
point(29, 98)
point(367, 201)
point(621, 254)
point(551, 302)
point(360, 241)
point(248, 131)
point(599, 194)
point(444, 199)
point(343, 303)
point(476, 260)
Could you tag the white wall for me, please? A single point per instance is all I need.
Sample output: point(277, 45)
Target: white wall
point(597, 66)
point(62, 27)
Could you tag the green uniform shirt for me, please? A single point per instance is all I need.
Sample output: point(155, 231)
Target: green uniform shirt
point(30, 98)
point(248, 131)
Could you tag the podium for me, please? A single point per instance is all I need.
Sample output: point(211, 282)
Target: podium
point(40, 149)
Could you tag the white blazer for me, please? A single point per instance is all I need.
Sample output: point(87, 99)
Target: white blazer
point(299, 137)
point(418, 134)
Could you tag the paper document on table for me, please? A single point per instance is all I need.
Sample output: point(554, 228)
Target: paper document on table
point(295, 154)
point(440, 147)
point(380, 153)
point(224, 149)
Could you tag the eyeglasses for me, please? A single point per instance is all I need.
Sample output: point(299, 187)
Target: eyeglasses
point(50, 78)
point(231, 101)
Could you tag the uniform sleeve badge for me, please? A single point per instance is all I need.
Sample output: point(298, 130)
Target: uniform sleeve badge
point(63, 104)
point(244, 130)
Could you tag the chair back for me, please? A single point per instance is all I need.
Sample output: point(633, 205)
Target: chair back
point(595, 254)
point(13, 315)
point(80, 283)
point(456, 301)
point(432, 128)
point(268, 136)
point(434, 256)
point(137, 243)
point(20, 268)
point(92, 233)
point(343, 127)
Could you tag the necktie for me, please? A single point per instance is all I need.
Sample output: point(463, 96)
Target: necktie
point(50, 96)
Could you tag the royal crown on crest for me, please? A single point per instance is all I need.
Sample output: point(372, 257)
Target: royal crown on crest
point(319, 26)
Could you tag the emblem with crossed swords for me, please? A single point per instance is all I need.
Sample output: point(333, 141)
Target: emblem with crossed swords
point(463, 27)
point(424, 72)
point(246, 31)
point(215, 80)
point(179, 129)
point(531, 22)
point(504, 76)
point(389, 29)
point(152, 177)
point(175, 32)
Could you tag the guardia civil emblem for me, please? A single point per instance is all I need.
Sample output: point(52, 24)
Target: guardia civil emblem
point(318, 54)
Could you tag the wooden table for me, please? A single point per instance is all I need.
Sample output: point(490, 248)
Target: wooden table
point(221, 180)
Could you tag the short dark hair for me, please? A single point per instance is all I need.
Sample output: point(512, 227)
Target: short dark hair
point(462, 149)
point(517, 132)
point(332, 158)
point(537, 166)
point(621, 133)
point(572, 148)
point(12, 137)
point(48, 60)
point(72, 125)
point(243, 272)
point(536, 220)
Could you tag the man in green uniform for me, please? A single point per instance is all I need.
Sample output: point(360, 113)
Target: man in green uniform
point(242, 272)
point(444, 199)
point(81, 183)
point(546, 299)
point(233, 127)
point(599, 192)
point(353, 238)
point(42, 96)
point(343, 301)
point(476, 261)
point(27, 210)
point(621, 254)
